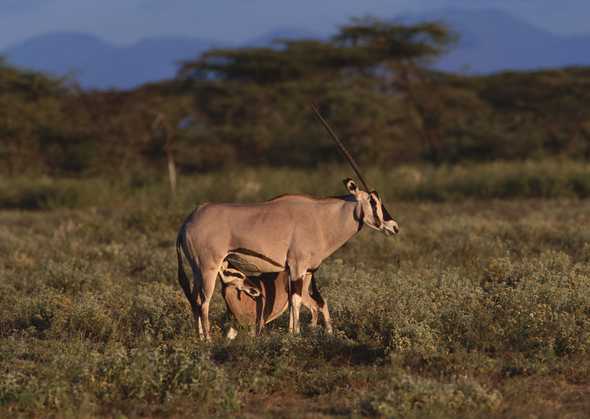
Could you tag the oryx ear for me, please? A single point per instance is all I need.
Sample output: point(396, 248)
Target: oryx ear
point(351, 186)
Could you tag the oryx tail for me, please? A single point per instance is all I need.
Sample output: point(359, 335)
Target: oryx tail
point(182, 278)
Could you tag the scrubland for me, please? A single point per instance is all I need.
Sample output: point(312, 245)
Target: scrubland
point(479, 308)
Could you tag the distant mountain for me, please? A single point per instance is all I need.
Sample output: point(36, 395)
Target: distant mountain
point(101, 65)
point(490, 40)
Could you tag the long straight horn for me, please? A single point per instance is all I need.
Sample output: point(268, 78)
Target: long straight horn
point(341, 147)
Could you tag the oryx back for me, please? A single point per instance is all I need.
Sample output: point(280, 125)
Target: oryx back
point(258, 238)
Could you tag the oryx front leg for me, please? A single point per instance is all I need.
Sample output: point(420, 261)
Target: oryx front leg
point(294, 326)
point(297, 286)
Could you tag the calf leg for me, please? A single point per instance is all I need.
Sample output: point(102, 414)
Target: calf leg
point(310, 303)
point(260, 321)
point(307, 302)
point(322, 305)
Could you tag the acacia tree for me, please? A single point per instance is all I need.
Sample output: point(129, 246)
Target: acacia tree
point(398, 55)
point(258, 98)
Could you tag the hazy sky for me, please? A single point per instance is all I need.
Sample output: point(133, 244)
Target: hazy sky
point(125, 21)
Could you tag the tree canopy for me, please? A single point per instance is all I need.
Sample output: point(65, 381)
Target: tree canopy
point(251, 106)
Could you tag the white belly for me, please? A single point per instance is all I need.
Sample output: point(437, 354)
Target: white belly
point(252, 265)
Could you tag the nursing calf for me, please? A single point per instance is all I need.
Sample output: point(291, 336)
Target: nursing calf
point(258, 300)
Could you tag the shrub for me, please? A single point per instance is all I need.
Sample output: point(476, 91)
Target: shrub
point(405, 396)
point(158, 311)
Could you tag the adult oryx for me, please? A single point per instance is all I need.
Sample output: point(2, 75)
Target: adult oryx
point(291, 232)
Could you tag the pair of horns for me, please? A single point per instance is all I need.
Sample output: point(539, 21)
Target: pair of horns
point(340, 146)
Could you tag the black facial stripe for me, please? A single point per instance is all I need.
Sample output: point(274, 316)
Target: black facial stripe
point(374, 208)
point(361, 218)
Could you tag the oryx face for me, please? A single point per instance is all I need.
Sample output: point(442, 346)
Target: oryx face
point(372, 212)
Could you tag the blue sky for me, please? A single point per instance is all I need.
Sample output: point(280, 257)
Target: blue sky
point(125, 21)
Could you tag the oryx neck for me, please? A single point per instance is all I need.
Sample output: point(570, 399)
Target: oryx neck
point(339, 223)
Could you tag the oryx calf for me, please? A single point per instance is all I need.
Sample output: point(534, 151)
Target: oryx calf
point(270, 300)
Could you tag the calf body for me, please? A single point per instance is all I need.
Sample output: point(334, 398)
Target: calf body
point(273, 300)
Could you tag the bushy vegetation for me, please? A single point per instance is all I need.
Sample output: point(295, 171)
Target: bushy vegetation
point(481, 181)
point(251, 106)
point(480, 308)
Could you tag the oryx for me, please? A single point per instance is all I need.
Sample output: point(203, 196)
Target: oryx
point(250, 297)
point(291, 232)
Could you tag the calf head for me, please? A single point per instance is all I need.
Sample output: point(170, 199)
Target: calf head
point(234, 278)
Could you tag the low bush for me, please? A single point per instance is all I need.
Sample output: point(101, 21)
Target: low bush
point(458, 316)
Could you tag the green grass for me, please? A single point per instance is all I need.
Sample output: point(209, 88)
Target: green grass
point(480, 308)
point(499, 180)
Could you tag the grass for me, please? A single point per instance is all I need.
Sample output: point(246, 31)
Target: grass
point(480, 308)
point(499, 180)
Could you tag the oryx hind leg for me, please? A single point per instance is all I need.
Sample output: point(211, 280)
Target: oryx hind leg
point(195, 300)
point(209, 277)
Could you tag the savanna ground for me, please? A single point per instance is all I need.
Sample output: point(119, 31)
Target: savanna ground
point(479, 308)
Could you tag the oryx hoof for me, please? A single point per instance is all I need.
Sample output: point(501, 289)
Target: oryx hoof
point(231, 333)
